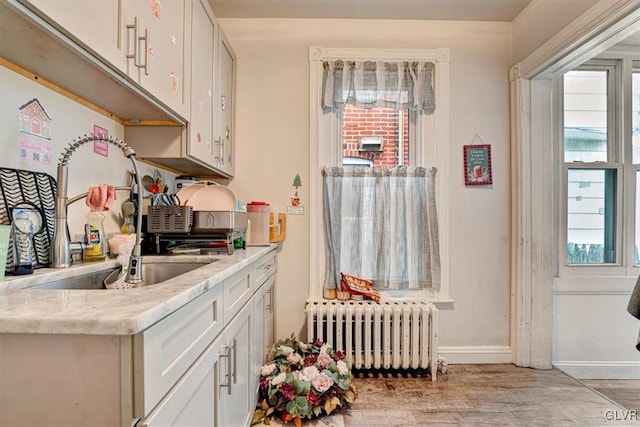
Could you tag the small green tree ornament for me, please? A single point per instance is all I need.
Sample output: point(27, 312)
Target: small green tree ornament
point(297, 183)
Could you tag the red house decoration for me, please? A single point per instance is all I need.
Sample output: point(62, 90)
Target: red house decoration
point(34, 119)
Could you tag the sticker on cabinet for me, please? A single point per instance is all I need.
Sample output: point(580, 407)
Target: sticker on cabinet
point(156, 8)
point(34, 119)
point(173, 83)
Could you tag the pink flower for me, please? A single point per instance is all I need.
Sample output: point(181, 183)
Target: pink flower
point(322, 383)
point(287, 390)
point(267, 370)
point(324, 359)
point(279, 378)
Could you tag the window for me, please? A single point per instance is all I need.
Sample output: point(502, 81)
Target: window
point(374, 137)
point(601, 152)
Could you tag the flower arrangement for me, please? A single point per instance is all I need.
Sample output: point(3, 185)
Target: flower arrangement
point(302, 381)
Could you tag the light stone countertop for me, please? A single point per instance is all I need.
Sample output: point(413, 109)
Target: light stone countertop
point(110, 312)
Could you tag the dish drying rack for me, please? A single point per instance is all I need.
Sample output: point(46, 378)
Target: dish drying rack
point(181, 230)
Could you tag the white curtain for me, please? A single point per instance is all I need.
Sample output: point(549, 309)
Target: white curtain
point(370, 84)
point(381, 224)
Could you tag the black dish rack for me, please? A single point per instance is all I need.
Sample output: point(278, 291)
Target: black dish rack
point(37, 189)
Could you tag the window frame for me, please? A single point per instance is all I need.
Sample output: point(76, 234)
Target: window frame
point(427, 128)
point(620, 63)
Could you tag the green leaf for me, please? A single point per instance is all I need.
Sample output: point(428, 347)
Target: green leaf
point(303, 405)
point(301, 387)
point(292, 408)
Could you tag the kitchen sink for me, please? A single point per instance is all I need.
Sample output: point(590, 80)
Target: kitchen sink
point(152, 273)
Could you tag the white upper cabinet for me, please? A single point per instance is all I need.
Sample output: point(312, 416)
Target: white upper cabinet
point(155, 36)
point(94, 24)
point(224, 106)
point(203, 42)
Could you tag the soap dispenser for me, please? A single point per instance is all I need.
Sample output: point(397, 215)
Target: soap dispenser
point(22, 231)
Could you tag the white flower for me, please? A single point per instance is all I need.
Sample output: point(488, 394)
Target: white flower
point(267, 370)
point(294, 358)
point(322, 382)
point(303, 346)
point(279, 378)
point(309, 373)
point(296, 375)
point(286, 350)
point(324, 348)
point(343, 369)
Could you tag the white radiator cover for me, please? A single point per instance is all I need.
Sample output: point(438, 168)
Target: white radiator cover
point(385, 335)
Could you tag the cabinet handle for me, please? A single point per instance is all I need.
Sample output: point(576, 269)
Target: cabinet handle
point(133, 55)
point(145, 39)
point(271, 299)
point(216, 148)
point(226, 375)
point(269, 303)
point(235, 357)
point(222, 151)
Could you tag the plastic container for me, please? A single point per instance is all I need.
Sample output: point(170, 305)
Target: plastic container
point(258, 213)
point(22, 231)
point(94, 234)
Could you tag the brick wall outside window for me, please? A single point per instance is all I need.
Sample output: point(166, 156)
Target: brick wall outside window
point(377, 122)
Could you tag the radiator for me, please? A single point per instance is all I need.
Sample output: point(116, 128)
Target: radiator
point(385, 335)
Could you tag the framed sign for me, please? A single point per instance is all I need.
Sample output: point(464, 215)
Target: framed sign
point(477, 165)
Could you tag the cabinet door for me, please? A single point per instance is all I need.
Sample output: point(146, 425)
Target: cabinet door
point(194, 401)
point(269, 310)
point(156, 48)
point(94, 24)
point(223, 150)
point(257, 342)
point(203, 42)
point(236, 400)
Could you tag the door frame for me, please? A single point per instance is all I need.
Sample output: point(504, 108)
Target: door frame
point(534, 256)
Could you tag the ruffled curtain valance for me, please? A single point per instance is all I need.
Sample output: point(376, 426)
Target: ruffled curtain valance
point(370, 84)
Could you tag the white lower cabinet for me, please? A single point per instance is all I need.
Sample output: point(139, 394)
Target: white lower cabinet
point(235, 397)
point(199, 366)
point(194, 401)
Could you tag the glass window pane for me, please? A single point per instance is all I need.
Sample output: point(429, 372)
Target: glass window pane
point(585, 116)
point(635, 116)
point(376, 137)
point(591, 213)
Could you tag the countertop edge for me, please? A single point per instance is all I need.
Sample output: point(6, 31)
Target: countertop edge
point(114, 312)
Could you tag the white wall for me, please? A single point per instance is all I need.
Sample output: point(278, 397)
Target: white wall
point(272, 138)
point(541, 20)
point(70, 120)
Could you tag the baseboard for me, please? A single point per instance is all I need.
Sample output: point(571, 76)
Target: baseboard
point(471, 355)
point(605, 370)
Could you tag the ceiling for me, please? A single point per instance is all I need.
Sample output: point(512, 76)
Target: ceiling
point(448, 10)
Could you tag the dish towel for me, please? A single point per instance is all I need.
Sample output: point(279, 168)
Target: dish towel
point(101, 197)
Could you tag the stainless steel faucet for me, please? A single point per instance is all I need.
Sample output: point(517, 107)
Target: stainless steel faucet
point(61, 246)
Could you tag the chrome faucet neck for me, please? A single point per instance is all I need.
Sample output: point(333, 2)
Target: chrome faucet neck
point(61, 245)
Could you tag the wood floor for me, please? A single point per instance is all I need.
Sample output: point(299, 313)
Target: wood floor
point(496, 395)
